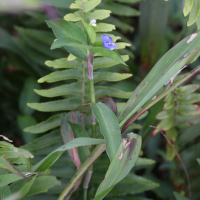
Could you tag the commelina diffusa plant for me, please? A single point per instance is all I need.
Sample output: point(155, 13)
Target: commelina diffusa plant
point(90, 122)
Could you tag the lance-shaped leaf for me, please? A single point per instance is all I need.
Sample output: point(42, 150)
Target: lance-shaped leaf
point(86, 6)
point(101, 91)
point(44, 141)
point(99, 14)
point(110, 76)
point(63, 63)
point(107, 62)
point(109, 127)
point(64, 75)
point(6, 165)
point(124, 160)
point(10, 178)
point(90, 31)
point(5, 192)
point(103, 27)
point(7, 147)
point(65, 29)
point(22, 192)
point(166, 68)
point(74, 17)
point(73, 88)
point(70, 31)
point(194, 12)
point(49, 160)
point(53, 122)
point(79, 131)
point(187, 7)
point(65, 42)
point(58, 105)
point(198, 160)
point(101, 51)
point(67, 133)
point(43, 184)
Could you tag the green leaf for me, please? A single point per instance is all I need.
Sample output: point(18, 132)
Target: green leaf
point(69, 31)
point(90, 31)
point(103, 27)
point(11, 148)
point(79, 131)
point(109, 127)
point(99, 14)
point(132, 184)
point(22, 161)
point(44, 141)
point(187, 89)
point(101, 51)
point(188, 110)
point(124, 160)
point(62, 75)
point(9, 178)
point(69, 89)
point(194, 13)
point(144, 161)
point(101, 91)
point(168, 66)
point(6, 165)
point(89, 5)
point(53, 122)
point(107, 62)
point(27, 95)
point(189, 99)
point(68, 42)
point(187, 7)
point(74, 17)
point(43, 184)
point(110, 76)
point(198, 160)
point(64, 29)
point(5, 192)
point(122, 45)
point(179, 197)
point(68, 135)
point(24, 190)
point(49, 160)
point(59, 105)
point(64, 63)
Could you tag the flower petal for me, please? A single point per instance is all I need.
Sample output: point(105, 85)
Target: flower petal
point(106, 38)
point(93, 21)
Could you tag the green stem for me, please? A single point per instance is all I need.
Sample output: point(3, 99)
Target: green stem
point(83, 84)
point(187, 76)
point(93, 120)
point(84, 194)
point(90, 160)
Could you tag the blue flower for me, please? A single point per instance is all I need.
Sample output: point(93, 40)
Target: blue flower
point(108, 42)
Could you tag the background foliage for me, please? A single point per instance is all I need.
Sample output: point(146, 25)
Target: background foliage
point(25, 42)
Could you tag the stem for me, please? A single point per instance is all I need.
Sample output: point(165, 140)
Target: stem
point(90, 160)
point(84, 194)
point(83, 84)
point(187, 76)
point(93, 120)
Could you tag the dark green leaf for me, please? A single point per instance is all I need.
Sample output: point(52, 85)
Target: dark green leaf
point(53, 156)
point(109, 127)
